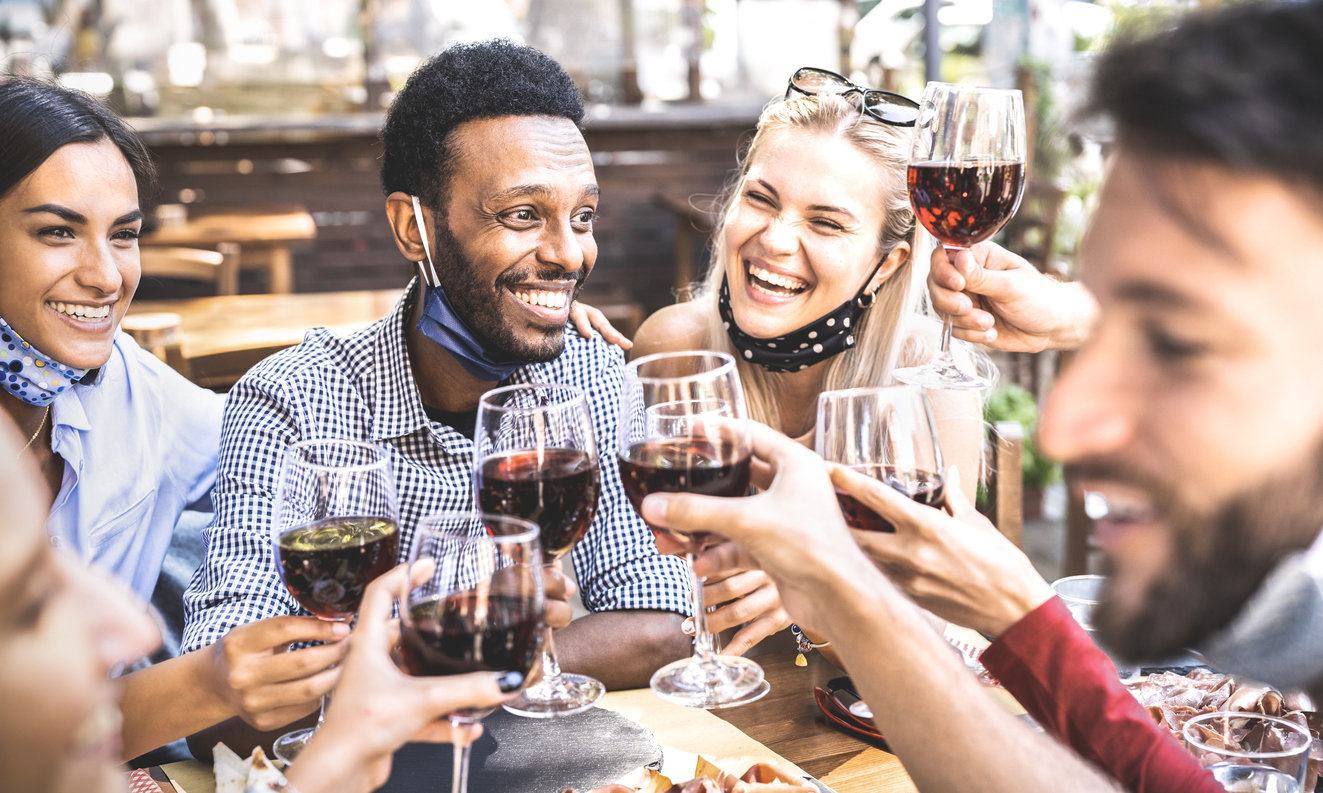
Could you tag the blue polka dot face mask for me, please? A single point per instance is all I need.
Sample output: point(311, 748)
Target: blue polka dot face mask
point(803, 347)
point(29, 374)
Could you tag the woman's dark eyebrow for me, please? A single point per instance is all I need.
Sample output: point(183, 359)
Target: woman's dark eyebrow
point(63, 213)
point(71, 216)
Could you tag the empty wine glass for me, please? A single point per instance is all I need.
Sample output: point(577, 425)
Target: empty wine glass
point(1251, 751)
point(537, 459)
point(333, 531)
point(684, 428)
point(474, 603)
point(966, 178)
point(887, 433)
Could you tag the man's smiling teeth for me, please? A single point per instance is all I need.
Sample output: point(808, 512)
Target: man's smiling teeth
point(770, 279)
point(544, 299)
point(82, 312)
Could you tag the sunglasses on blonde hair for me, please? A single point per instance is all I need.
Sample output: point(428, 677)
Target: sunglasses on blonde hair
point(885, 106)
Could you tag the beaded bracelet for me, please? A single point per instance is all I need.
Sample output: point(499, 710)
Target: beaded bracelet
point(803, 644)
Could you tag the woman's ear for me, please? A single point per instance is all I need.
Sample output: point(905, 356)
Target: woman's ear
point(893, 261)
point(408, 238)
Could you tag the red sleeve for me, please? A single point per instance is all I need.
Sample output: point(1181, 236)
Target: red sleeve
point(1052, 667)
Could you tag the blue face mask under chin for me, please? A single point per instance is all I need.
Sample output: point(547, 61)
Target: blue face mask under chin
point(29, 374)
point(442, 325)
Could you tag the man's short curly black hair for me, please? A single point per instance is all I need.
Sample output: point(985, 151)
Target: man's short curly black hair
point(1239, 88)
point(486, 79)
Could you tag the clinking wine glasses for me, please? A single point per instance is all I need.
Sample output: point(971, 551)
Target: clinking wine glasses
point(966, 178)
point(537, 459)
point(333, 531)
point(887, 433)
point(684, 428)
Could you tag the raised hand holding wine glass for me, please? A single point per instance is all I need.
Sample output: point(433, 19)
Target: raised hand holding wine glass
point(536, 458)
point(966, 179)
point(887, 433)
point(474, 603)
point(333, 531)
point(684, 428)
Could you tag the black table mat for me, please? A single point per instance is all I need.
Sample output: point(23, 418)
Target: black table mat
point(519, 755)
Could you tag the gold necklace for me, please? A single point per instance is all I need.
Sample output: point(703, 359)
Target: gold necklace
point(33, 439)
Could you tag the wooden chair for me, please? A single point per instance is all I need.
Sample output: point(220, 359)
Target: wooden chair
point(159, 335)
point(218, 267)
point(1006, 480)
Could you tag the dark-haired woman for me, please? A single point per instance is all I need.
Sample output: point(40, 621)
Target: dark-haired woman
point(123, 442)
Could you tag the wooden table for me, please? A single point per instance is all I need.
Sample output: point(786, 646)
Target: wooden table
point(785, 725)
point(263, 234)
point(249, 327)
point(788, 722)
point(209, 325)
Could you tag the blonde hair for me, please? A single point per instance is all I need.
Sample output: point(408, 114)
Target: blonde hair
point(881, 333)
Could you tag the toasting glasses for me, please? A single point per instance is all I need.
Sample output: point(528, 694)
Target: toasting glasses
point(333, 531)
point(886, 433)
point(683, 428)
point(537, 460)
point(966, 178)
point(475, 604)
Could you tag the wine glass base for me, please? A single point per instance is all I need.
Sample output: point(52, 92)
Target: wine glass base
point(753, 696)
point(567, 695)
point(940, 375)
point(288, 746)
point(727, 680)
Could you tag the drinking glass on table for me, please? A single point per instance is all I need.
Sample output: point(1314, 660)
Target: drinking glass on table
point(887, 433)
point(966, 178)
point(474, 603)
point(683, 428)
point(537, 459)
point(1081, 594)
point(333, 531)
point(1250, 751)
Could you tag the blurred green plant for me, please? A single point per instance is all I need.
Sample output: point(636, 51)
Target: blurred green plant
point(1014, 403)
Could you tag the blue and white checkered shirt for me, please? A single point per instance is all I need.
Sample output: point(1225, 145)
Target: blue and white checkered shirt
point(362, 387)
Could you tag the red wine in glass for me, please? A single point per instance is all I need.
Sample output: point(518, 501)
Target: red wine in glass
point(966, 176)
point(683, 465)
point(963, 203)
point(328, 564)
point(923, 487)
point(555, 488)
point(444, 636)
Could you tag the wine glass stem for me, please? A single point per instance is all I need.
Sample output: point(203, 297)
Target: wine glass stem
point(321, 712)
point(703, 648)
point(460, 779)
point(947, 323)
point(550, 666)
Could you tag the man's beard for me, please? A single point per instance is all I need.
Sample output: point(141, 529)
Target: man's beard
point(481, 306)
point(1227, 551)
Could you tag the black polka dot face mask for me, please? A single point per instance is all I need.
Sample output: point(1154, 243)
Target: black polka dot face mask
point(801, 348)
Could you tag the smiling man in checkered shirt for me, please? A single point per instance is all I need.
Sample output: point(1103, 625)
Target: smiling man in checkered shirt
point(486, 137)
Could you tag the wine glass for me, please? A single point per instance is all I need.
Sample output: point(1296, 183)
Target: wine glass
point(966, 178)
point(333, 531)
point(474, 603)
point(684, 428)
point(537, 459)
point(887, 433)
point(1082, 594)
point(1250, 751)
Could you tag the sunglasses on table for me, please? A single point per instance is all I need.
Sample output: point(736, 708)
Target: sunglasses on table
point(889, 108)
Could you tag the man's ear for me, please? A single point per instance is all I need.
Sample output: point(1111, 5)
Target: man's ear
point(408, 238)
point(897, 257)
